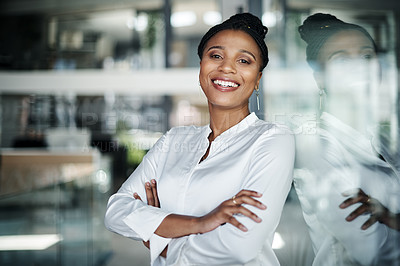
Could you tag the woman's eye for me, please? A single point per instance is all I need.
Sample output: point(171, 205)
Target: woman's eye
point(244, 61)
point(340, 59)
point(217, 56)
point(367, 56)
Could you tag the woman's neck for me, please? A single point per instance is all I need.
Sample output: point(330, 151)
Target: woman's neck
point(222, 119)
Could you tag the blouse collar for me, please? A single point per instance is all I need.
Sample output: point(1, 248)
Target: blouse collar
point(246, 122)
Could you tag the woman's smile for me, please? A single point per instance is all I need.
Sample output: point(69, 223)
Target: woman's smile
point(225, 85)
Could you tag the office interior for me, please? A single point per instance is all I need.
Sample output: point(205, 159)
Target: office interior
point(87, 87)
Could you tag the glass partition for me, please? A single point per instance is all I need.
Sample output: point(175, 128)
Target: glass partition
point(95, 84)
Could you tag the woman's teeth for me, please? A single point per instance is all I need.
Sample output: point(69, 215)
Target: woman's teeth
point(225, 83)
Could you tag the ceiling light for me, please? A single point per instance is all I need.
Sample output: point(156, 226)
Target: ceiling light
point(212, 18)
point(139, 23)
point(142, 21)
point(269, 19)
point(183, 19)
point(28, 242)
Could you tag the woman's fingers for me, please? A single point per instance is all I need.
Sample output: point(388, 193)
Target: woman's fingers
point(368, 206)
point(239, 200)
point(358, 196)
point(235, 210)
point(247, 197)
point(226, 212)
point(373, 219)
point(246, 212)
point(244, 197)
point(251, 193)
point(363, 209)
point(149, 194)
point(232, 220)
point(155, 193)
point(146, 244)
point(136, 196)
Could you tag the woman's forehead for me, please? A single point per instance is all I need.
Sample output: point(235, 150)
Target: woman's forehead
point(235, 39)
point(346, 40)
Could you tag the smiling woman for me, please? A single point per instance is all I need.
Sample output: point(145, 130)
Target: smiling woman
point(213, 195)
point(230, 69)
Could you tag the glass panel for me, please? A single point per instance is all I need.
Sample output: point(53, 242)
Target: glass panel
point(111, 97)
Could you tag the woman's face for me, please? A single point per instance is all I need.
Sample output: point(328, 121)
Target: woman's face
point(350, 77)
point(230, 69)
point(349, 61)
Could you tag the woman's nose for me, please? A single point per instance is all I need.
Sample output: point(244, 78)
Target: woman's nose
point(227, 66)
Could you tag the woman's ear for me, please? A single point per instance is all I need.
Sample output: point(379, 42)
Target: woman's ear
point(259, 78)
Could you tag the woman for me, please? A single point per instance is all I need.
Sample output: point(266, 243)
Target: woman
point(207, 187)
point(340, 160)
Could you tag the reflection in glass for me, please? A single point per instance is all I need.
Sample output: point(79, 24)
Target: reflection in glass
point(347, 181)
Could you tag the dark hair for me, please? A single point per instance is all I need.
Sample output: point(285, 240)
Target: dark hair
point(317, 28)
point(246, 22)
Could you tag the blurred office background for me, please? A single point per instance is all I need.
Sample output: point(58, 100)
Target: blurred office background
point(88, 86)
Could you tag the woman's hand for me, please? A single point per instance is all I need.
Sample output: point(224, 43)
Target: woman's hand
point(152, 200)
point(225, 212)
point(151, 194)
point(176, 225)
point(379, 213)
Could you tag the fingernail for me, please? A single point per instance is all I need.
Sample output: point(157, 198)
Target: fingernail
point(147, 184)
point(342, 205)
point(153, 181)
point(135, 194)
point(242, 227)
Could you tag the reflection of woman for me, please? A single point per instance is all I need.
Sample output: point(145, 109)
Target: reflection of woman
point(340, 158)
point(204, 185)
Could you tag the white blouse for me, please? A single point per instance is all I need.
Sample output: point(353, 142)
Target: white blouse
point(253, 154)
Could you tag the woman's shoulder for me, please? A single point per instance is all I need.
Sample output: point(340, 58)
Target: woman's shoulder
point(274, 139)
point(268, 129)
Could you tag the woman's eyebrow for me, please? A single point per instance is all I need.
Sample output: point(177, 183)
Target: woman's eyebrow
point(216, 47)
point(367, 47)
point(241, 50)
point(249, 53)
point(336, 52)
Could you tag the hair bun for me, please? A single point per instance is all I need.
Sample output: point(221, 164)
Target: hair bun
point(315, 23)
point(240, 21)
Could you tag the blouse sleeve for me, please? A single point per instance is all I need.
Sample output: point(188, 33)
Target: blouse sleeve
point(270, 172)
point(134, 218)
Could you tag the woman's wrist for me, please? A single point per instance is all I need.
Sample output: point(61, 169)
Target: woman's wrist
point(391, 220)
point(175, 225)
point(200, 225)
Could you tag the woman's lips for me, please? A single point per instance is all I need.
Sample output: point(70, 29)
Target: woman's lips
point(225, 85)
